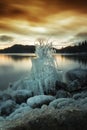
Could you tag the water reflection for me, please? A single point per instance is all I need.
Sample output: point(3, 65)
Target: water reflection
point(68, 62)
point(81, 58)
point(14, 67)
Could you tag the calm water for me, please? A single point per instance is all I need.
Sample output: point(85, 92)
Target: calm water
point(14, 67)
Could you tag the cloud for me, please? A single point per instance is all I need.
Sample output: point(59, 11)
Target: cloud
point(82, 34)
point(58, 18)
point(5, 38)
point(38, 10)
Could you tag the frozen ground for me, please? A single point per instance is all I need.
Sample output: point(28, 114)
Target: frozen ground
point(42, 101)
point(16, 105)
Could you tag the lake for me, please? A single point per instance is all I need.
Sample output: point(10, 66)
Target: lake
point(16, 66)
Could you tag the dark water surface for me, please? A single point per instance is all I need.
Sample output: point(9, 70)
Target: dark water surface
point(16, 66)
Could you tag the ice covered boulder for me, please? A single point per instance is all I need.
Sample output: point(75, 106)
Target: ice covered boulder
point(1, 118)
point(83, 103)
point(5, 96)
point(21, 96)
point(62, 94)
point(61, 103)
point(38, 101)
point(74, 85)
point(60, 85)
point(80, 74)
point(19, 113)
point(49, 119)
point(80, 95)
point(7, 107)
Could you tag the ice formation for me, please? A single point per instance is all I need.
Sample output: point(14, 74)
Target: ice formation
point(44, 72)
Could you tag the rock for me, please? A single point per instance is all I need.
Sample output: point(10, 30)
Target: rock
point(23, 105)
point(21, 96)
point(5, 96)
point(80, 95)
point(49, 119)
point(38, 101)
point(61, 103)
point(79, 74)
point(19, 113)
point(73, 86)
point(60, 85)
point(62, 94)
point(82, 103)
point(44, 107)
point(77, 96)
point(7, 107)
point(1, 118)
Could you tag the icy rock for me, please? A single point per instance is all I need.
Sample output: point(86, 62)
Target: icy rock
point(7, 107)
point(77, 96)
point(62, 103)
point(50, 119)
point(5, 96)
point(62, 94)
point(44, 107)
point(82, 103)
point(74, 85)
point(60, 85)
point(38, 101)
point(1, 118)
point(80, 95)
point(19, 113)
point(28, 84)
point(21, 96)
point(80, 74)
point(23, 105)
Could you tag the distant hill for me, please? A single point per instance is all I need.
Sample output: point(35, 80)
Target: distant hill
point(19, 49)
point(80, 48)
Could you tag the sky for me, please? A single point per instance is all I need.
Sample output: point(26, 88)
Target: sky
point(62, 22)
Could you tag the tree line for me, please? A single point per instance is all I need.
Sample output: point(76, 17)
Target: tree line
point(81, 47)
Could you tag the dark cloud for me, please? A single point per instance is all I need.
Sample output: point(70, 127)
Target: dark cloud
point(82, 34)
point(37, 10)
point(5, 38)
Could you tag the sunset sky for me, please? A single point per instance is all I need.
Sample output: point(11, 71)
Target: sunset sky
point(23, 21)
